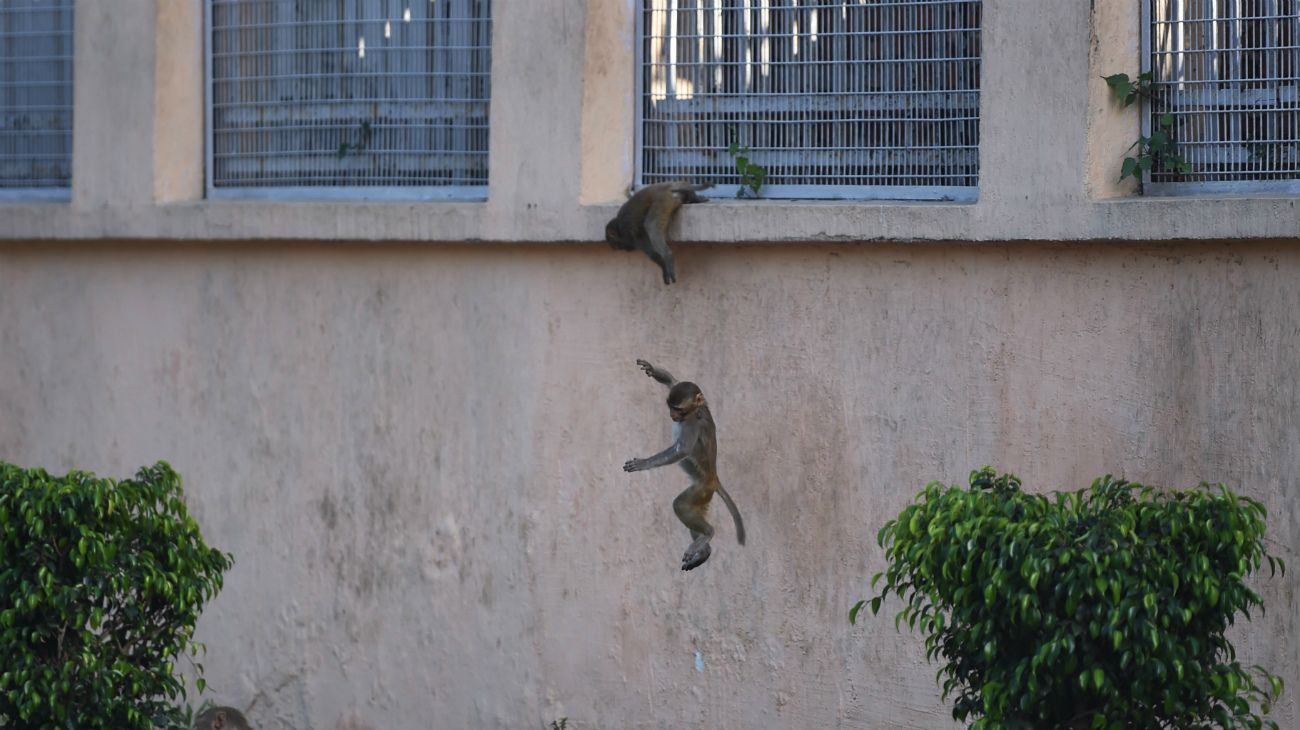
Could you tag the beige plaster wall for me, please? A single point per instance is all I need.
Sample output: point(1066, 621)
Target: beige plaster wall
point(414, 452)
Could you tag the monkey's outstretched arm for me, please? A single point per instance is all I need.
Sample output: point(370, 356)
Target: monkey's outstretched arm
point(659, 374)
point(687, 435)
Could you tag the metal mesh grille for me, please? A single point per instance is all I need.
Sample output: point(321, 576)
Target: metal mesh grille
point(36, 95)
point(834, 98)
point(1227, 72)
point(348, 94)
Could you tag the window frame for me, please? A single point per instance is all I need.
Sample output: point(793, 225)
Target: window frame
point(55, 193)
point(1220, 188)
point(808, 193)
point(325, 193)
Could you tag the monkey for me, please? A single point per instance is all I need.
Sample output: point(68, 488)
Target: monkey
point(642, 222)
point(695, 449)
point(221, 718)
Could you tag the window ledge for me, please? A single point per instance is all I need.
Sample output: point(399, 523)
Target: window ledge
point(718, 221)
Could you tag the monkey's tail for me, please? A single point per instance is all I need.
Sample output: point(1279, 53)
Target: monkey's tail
point(735, 514)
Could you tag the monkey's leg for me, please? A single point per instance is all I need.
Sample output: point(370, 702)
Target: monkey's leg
point(656, 254)
point(656, 228)
point(690, 507)
point(669, 268)
point(700, 557)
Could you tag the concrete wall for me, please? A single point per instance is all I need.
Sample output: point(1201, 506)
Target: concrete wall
point(413, 449)
point(414, 454)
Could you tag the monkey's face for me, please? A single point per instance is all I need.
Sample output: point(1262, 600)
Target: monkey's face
point(681, 411)
point(615, 238)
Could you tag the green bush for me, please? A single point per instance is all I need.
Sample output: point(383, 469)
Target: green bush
point(1102, 608)
point(101, 583)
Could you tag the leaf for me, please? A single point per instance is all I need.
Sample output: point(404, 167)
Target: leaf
point(1121, 86)
point(1115, 81)
point(1129, 168)
point(853, 612)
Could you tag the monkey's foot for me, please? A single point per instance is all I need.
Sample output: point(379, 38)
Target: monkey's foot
point(690, 560)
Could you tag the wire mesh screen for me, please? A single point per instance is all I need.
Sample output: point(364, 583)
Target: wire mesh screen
point(35, 94)
point(348, 94)
point(833, 98)
point(1226, 72)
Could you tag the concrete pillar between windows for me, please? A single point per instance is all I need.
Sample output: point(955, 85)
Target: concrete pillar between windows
point(607, 115)
point(113, 75)
point(178, 115)
point(1116, 35)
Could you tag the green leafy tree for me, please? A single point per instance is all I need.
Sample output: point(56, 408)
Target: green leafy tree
point(101, 584)
point(1102, 608)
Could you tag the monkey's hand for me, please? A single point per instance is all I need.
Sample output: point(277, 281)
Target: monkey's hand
point(634, 465)
point(663, 376)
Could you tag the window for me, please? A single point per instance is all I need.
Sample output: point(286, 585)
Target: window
point(349, 98)
point(1227, 72)
point(35, 98)
point(834, 98)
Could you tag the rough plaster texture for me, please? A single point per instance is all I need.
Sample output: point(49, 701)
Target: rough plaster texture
point(1115, 44)
point(414, 452)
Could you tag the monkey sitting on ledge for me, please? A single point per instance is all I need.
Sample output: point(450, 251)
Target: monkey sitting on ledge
point(642, 222)
point(695, 449)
